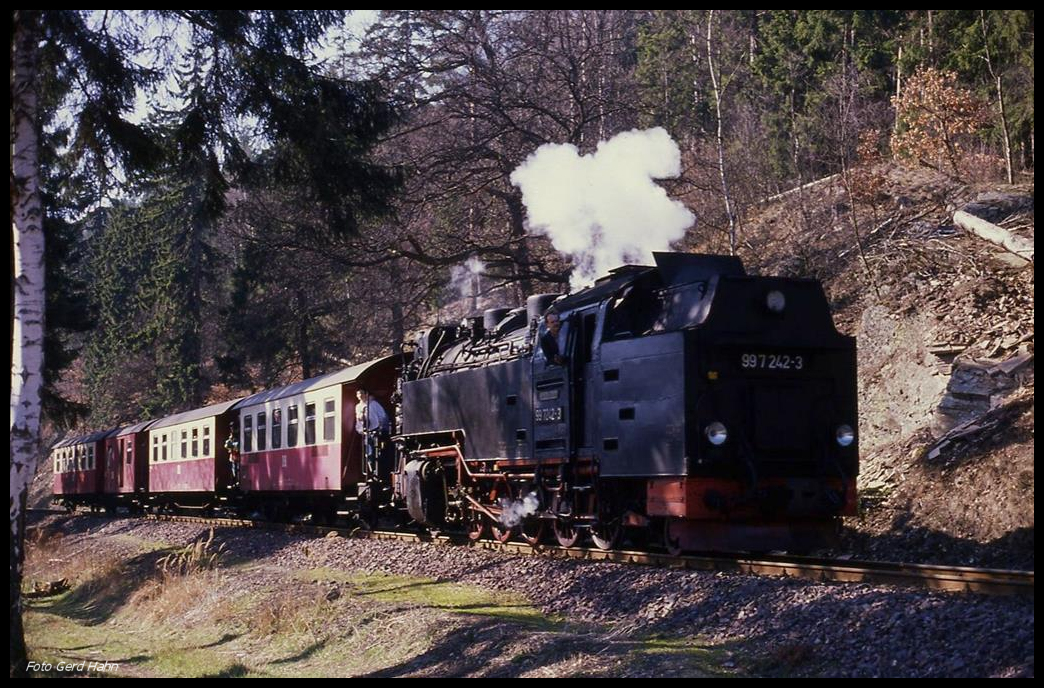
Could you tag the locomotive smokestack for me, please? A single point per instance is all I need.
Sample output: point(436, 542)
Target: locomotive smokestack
point(604, 209)
point(492, 316)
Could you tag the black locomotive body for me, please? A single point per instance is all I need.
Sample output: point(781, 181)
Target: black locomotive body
point(695, 404)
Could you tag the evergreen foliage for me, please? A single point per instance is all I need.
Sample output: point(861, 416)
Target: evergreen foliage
point(152, 272)
point(803, 54)
point(154, 264)
point(68, 316)
point(250, 64)
point(670, 83)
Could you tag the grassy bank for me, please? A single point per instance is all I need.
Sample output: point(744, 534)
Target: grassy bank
point(159, 610)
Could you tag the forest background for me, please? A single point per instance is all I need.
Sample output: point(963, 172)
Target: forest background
point(255, 255)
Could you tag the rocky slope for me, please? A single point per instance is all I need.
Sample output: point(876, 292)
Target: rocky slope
point(944, 322)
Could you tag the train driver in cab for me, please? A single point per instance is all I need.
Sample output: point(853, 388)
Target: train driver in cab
point(551, 342)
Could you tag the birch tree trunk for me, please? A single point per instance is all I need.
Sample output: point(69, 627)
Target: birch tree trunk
point(1000, 98)
point(718, 93)
point(898, 85)
point(27, 304)
point(1004, 128)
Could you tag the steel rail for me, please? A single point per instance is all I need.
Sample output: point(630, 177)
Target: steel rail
point(928, 576)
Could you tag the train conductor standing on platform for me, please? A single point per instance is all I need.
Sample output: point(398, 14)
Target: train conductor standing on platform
point(369, 414)
point(232, 447)
point(371, 421)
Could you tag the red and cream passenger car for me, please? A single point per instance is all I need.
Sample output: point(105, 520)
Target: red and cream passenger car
point(188, 463)
point(299, 449)
point(126, 465)
point(79, 469)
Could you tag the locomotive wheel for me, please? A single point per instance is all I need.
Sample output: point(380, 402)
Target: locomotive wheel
point(476, 525)
point(606, 534)
point(533, 531)
point(326, 516)
point(502, 533)
point(566, 533)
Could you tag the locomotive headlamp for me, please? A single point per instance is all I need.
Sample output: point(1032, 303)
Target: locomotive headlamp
point(717, 434)
point(845, 435)
point(775, 301)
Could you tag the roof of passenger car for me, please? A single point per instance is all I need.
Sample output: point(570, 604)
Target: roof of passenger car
point(137, 427)
point(195, 414)
point(86, 439)
point(322, 381)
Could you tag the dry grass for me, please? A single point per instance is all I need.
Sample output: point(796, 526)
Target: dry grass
point(292, 611)
point(93, 573)
point(200, 556)
point(178, 597)
point(186, 583)
point(43, 552)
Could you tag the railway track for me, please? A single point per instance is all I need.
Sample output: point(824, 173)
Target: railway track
point(944, 578)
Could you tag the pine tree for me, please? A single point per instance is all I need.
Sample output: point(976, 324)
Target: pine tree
point(994, 51)
point(152, 271)
point(802, 53)
point(670, 74)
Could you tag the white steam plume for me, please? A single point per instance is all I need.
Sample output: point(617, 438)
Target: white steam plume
point(467, 279)
point(512, 512)
point(604, 209)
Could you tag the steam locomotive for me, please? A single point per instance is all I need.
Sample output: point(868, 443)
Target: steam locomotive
point(692, 407)
point(696, 404)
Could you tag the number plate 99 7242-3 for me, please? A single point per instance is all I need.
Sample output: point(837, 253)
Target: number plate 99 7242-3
point(762, 361)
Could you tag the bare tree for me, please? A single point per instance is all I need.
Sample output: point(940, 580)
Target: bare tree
point(486, 89)
point(1000, 97)
point(719, 86)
